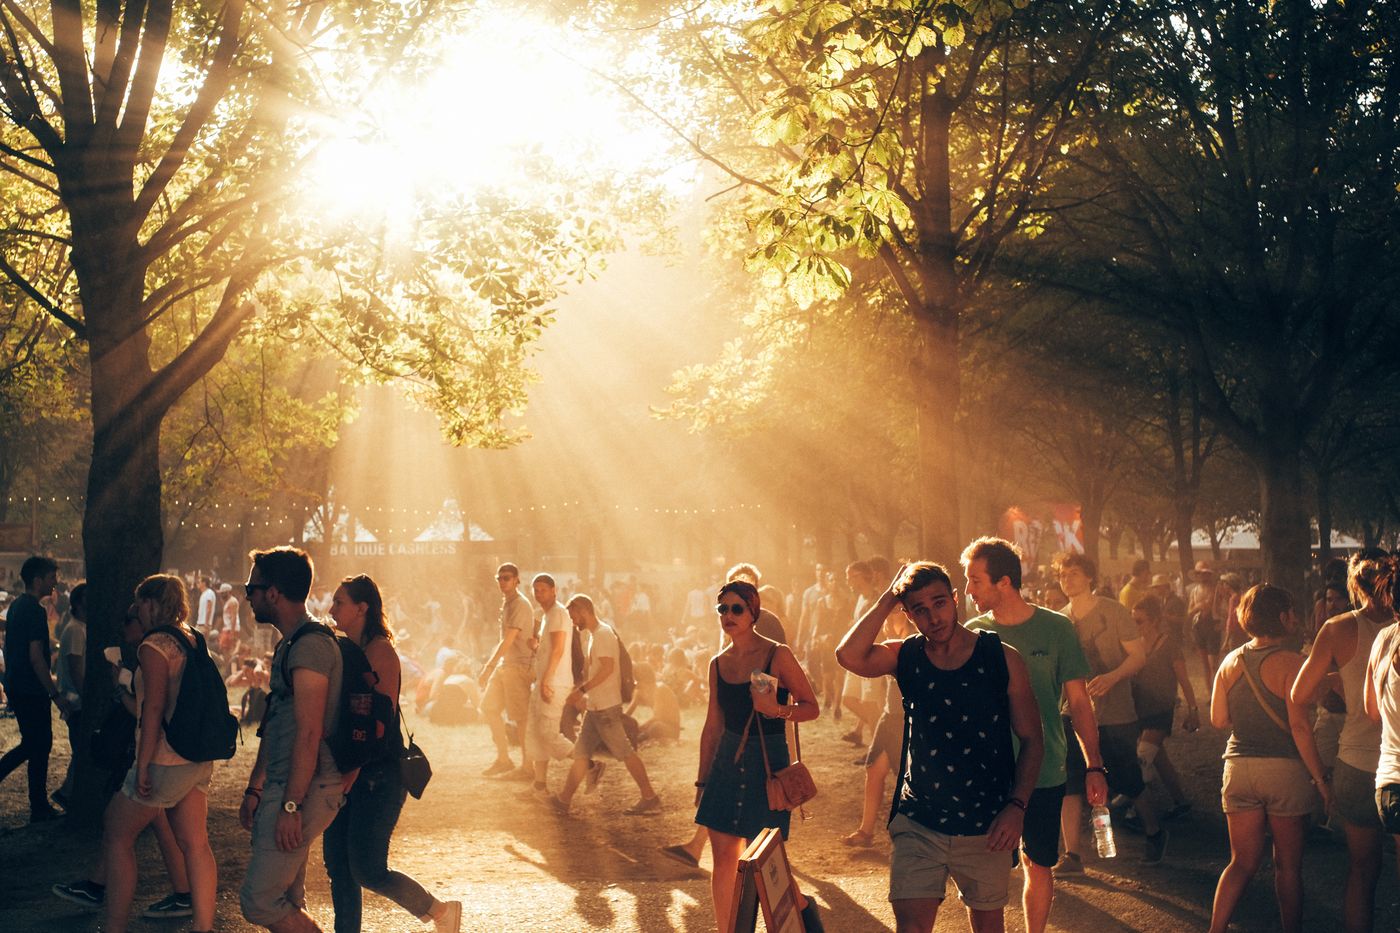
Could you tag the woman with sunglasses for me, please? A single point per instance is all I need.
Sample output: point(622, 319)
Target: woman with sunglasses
point(356, 844)
point(731, 795)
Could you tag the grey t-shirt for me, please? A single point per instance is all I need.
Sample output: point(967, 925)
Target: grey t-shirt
point(1101, 633)
point(516, 614)
point(318, 653)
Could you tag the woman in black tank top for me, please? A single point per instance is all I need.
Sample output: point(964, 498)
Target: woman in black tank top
point(731, 793)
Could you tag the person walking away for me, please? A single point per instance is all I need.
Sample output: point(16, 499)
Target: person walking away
point(1272, 770)
point(1344, 642)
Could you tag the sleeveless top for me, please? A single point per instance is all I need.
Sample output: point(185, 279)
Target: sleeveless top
point(393, 747)
point(1388, 699)
point(1360, 741)
point(165, 644)
point(736, 703)
point(1255, 735)
point(958, 763)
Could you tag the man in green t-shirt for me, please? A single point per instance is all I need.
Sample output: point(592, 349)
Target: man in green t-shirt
point(1047, 642)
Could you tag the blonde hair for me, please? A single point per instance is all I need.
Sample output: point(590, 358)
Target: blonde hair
point(168, 593)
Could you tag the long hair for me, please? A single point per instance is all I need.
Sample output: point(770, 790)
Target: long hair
point(168, 592)
point(362, 589)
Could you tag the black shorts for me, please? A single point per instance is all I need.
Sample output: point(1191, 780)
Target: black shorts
point(1162, 722)
point(1205, 630)
point(1118, 746)
point(1388, 808)
point(1040, 830)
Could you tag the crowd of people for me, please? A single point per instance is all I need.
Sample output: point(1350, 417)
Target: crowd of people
point(1004, 709)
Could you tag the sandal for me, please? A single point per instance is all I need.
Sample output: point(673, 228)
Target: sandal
point(858, 840)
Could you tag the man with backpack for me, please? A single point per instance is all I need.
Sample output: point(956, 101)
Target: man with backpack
point(603, 695)
point(296, 788)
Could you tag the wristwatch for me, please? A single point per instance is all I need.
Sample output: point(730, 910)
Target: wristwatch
point(291, 806)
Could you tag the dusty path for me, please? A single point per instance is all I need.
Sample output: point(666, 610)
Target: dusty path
point(516, 866)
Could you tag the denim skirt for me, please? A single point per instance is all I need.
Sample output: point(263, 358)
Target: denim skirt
point(735, 800)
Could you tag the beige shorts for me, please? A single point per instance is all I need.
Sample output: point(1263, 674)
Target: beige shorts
point(1278, 786)
point(170, 783)
point(508, 691)
point(923, 859)
point(543, 740)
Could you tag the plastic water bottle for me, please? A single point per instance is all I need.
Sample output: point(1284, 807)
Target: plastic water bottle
point(1103, 832)
point(762, 682)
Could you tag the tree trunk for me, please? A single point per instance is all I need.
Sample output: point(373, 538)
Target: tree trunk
point(1182, 519)
point(1284, 535)
point(1091, 523)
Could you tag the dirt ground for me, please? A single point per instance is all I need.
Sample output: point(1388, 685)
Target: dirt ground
point(515, 865)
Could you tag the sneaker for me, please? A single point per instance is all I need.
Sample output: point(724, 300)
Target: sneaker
point(172, 905)
point(853, 737)
point(499, 766)
point(642, 807)
point(1177, 811)
point(86, 893)
point(559, 806)
point(451, 919)
point(595, 774)
point(1069, 864)
point(520, 774)
point(1156, 846)
point(46, 815)
point(535, 792)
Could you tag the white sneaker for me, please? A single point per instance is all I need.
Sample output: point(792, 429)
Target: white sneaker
point(451, 919)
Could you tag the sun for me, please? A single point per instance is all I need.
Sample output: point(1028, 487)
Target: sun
point(507, 90)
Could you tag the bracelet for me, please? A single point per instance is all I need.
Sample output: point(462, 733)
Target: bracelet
point(699, 783)
point(1018, 802)
point(253, 792)
point(1098, 770)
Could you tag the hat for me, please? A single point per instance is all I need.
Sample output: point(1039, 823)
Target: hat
point(225, 588)
point(1203, 567)
point(1160, 579)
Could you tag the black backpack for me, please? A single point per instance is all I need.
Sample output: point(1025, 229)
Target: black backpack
point(366, 715)
point(201, 728)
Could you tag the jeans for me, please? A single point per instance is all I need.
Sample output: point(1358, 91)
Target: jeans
point(356, 848)
point(34, 717)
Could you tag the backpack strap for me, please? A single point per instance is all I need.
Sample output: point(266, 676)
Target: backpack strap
point(912, 643)
point(1259, 694)
point(311, 626)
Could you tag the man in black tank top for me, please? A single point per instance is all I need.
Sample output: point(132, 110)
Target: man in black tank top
point(963, 783)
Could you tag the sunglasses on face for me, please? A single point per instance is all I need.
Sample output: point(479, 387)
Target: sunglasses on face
point(737, 609)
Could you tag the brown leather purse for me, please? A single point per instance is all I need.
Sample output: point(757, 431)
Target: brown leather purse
point(789, 788)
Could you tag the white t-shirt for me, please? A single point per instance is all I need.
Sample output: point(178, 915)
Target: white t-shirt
point(556, 619)
point(206, 610)
point(1387, 683)
point(604, 644)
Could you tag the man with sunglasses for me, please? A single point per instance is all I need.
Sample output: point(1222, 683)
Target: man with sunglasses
point(507, 676)
point(295, 789)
